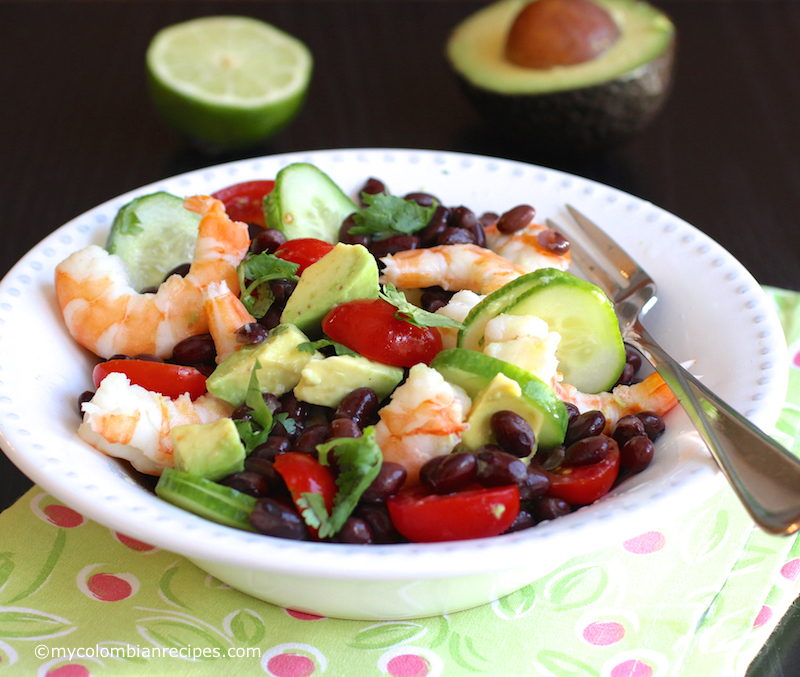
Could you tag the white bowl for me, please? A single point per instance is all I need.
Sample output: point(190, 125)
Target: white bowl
point(710, 310)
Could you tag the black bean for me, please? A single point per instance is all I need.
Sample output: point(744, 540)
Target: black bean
point(496, 468)
point(355, 531)
point(488, 218)
point(250, 483)
point(85, 396)
point(434, 298)
point(550, 459)
point(653, 424)
point(627, 427)
point(464, 218)
point(587, 424)
point(452, 235)
point(548, 508)
point(388, 482)
point(308, 440)
point(360, 405)
point(637, 453)
point(449, 472)
point(515, 219)
point(589, 450)
point(148, 357)
point(523, 520)
point(394, 244)
point(535, 484)
point(281, 290)
point(118, 356)
point(376, 515)
point(272, 447)
point(513, 433)
point(264, 467)
point(627, 375)
point(251, 333)
point(182, 270)
point(272, 318)
point(294, 408)
point(429, 235)
point(351, 238)
point(198, 349)
point(633, 357)
point(572, 411)
point(553, 241)
point(373, 186)
point(422, 199)
point(343, 427)
point(267, 240)
point(274, 518)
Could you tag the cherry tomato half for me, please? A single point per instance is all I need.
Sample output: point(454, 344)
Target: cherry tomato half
point(369, 327)
point(303, 251)
point(584, 484)
point(303, 474)
point(244, 201)
point(423, 517)
point(171, 380)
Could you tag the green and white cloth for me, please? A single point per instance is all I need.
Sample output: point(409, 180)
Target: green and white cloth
point(696, 595)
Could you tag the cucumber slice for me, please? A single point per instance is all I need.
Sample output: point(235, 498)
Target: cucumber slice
point(205, 498)
point(305, 202)
point(591, 353)
point(474, 371)
point(153, 234)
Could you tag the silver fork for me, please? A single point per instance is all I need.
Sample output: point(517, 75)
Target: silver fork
point(764, 475)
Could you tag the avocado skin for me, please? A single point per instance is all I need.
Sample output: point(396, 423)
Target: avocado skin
point(581, 120)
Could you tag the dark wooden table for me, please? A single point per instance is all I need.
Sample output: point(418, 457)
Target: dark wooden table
point(77, 128)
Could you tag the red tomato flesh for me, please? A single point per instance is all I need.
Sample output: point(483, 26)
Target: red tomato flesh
point(303, 251)
point(423, 517)
point(170, 380)
point(585, 484)
point(369, 327)
point(244, 201)
point(303, 474)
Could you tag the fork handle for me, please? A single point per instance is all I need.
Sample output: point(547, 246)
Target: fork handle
point(764, 475)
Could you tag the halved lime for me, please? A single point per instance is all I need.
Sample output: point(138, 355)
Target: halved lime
point(227, 81)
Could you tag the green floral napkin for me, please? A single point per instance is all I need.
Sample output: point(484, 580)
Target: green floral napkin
point(696, 595)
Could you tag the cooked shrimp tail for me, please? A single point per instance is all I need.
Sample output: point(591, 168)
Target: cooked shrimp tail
point(452, 267)
point(105, 314)
point(651, 394)
point(424, 418)
point(225, 313)
point(129, 422)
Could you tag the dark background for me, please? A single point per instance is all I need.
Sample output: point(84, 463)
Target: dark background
point(77, 128)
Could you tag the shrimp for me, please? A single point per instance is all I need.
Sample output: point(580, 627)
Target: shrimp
point(457, 308)
point(524, 341)
point(424, 418)
point(105, 314)
point(453, 267)
point(524, 249)
point(127, 421)
point(225, 313)
point(651, 394)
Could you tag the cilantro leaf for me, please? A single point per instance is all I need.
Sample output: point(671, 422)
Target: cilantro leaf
point(255, 273)
point(313, 346)
point(387, 215)
point(359, 460)
point(254, 400)
point(412, 314)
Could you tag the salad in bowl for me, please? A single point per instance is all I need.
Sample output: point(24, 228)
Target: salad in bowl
point(283, 379)
point(366, 398)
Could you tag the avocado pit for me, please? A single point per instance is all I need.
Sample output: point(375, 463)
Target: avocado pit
point(548, 33)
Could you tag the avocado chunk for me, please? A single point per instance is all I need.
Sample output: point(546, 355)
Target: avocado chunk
point(326, 382)
point(281, 362)
point(474, 372)
point(346, 273)
point(595, 104)
point(211, 450)
point(502, 394)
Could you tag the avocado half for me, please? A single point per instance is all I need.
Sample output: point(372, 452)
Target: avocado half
point(593, 105)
